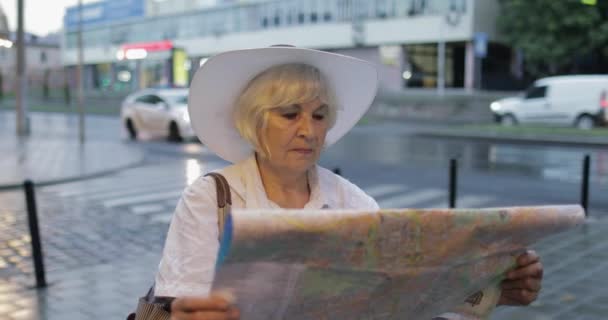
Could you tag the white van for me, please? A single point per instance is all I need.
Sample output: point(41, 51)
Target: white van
point(578, 100)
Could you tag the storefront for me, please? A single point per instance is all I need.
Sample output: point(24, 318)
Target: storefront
point(141, 65)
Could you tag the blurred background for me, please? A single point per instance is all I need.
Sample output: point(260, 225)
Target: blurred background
point(482, 103)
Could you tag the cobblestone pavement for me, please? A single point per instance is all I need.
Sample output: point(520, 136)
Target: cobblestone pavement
point(102, 239)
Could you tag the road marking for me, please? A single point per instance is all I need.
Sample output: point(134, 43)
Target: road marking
point(473, 201)
point(384, 189)
point(162, 218)
point(146, 209)
point(409, 200)
point(143, 198)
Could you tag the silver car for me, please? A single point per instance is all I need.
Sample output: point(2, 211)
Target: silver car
point(153, 113)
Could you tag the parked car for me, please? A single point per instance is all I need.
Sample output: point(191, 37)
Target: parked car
point(578, 100)
point(157, 113)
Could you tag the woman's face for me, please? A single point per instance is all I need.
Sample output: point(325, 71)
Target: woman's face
point(295, 135)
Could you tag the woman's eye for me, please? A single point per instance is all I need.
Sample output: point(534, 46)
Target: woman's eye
point(318, 116)
point(290, 116)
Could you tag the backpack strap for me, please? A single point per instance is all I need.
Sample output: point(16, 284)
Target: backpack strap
point(224, 200)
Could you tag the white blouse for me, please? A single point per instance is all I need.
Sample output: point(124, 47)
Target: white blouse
point(188, 262)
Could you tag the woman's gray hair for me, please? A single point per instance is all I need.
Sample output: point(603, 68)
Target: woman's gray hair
point(278, 86)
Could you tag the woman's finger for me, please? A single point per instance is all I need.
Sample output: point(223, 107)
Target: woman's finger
point(194, 304)
point(527, 258)
point(518, 297)
point(201, 315)
point(534, 270)
point(530, 284)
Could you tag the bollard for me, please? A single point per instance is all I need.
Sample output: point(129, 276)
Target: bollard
point(337, 171)
point(585, 184)
point(32, 216)
point(453, 183)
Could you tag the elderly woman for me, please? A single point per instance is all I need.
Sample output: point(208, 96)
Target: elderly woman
point(271, 111)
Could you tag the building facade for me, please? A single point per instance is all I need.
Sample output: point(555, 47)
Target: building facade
point(43, 65)
point(131, 44)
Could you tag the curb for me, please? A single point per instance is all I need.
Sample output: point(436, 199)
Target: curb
point(563, 141)
point(49, 182)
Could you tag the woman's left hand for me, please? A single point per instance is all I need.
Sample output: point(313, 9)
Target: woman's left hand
point(523, 283)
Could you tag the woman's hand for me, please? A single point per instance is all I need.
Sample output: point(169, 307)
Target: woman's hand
point(523, 283)
point(214, 307)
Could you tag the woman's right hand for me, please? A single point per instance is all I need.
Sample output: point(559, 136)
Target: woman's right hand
point(214, 307)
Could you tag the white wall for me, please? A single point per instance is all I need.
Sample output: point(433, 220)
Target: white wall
point(8, 59)
point(389, 76)
point(157, 8)
point(486, 12)
point(423, 29)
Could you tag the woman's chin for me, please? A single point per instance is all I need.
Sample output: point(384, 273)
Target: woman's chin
point(301, 163)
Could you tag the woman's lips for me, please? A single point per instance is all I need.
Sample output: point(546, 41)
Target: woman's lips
point(303, 151)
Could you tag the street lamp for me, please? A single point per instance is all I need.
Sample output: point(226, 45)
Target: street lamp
point(21, 109)
point(79, 77)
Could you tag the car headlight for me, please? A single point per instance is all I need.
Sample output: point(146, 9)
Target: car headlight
point(495, 106)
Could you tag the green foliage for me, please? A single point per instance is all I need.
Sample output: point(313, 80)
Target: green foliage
point(552, 33)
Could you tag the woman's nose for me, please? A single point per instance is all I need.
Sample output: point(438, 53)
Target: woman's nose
point(305, 127)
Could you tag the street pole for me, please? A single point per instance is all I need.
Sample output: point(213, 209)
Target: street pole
point(79, 77)
point(441, 68)
point(441, 60)
point(21, 110)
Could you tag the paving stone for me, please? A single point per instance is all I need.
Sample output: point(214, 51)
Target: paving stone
point(7, 307)
point(25, 314)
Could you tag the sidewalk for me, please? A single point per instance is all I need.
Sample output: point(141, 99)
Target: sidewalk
point(83, 273)
point(50, 161)
point(52, 153)
point(545, 139)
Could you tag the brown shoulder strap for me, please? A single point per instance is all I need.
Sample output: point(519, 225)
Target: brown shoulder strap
point(224, 201)
point(151, 303)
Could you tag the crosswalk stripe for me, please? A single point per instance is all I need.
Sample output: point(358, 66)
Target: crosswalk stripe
point(473, 201)
point(411, 199)
point(162, 218)
point(110, 186)
point(384, 189)
point(143, 198)
point(135, 191)
point(146, 209)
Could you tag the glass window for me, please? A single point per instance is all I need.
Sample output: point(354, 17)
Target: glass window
point(149, 99)
point(536, 92)
point(71, 40)
point(143, 99)
point(177, 99)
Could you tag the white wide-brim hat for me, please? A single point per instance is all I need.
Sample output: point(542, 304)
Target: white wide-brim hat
point(219, 82)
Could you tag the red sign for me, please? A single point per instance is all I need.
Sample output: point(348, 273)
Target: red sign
point(149, 46)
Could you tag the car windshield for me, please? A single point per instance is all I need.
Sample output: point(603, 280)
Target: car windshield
point(177, 99)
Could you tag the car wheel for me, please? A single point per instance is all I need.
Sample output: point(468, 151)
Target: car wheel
point(585, 122)
point(508, 120)
point(174, 135)
point(131, 129)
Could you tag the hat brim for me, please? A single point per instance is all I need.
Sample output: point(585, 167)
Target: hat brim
point(218, 83)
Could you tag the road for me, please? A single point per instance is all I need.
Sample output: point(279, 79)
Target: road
point(106, 234)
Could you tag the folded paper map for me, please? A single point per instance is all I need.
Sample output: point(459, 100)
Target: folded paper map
point(387, 264)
